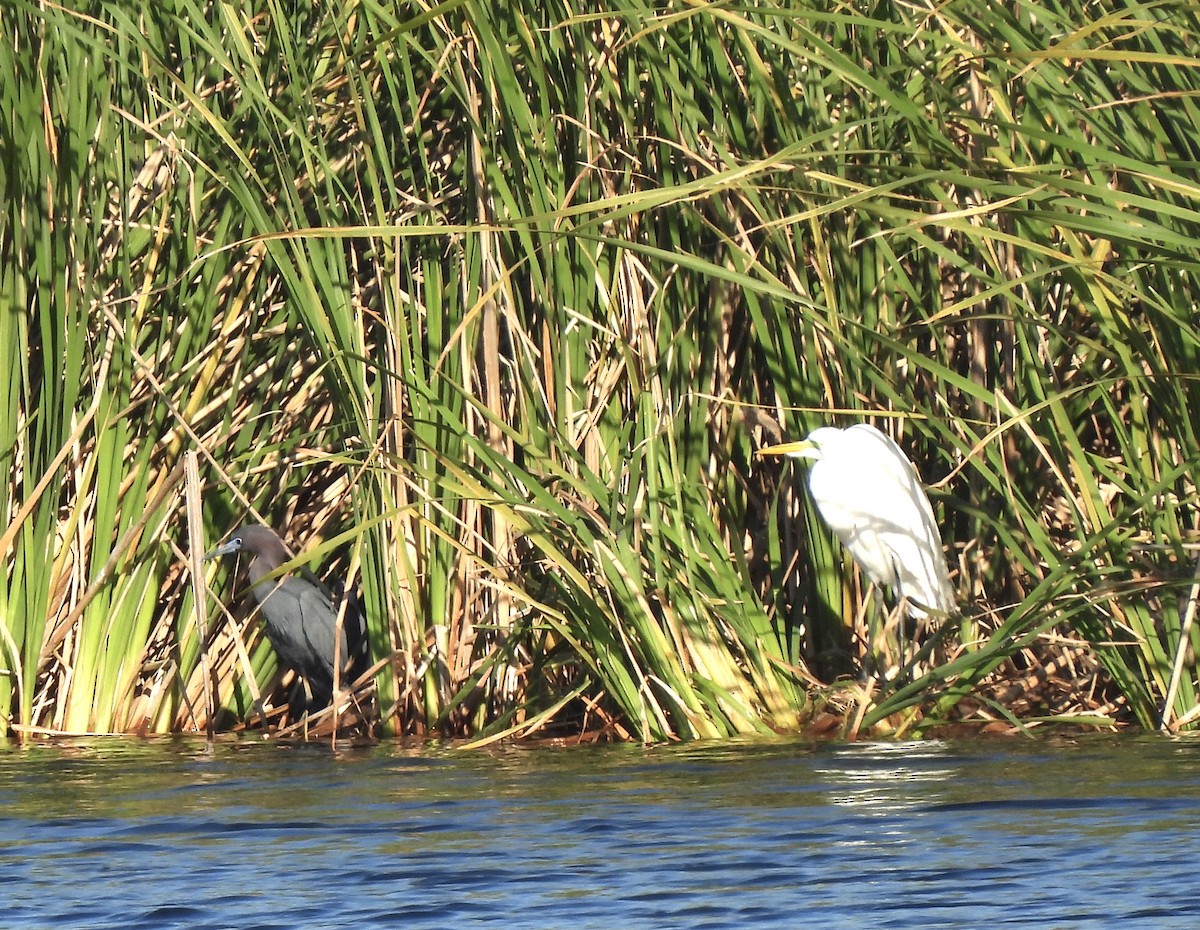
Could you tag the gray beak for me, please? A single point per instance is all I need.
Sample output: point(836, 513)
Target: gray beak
point(228, 548)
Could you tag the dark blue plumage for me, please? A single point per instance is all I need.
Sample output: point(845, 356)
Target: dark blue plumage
point(300, 615)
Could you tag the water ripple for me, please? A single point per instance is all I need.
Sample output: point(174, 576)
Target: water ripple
point(753, 834)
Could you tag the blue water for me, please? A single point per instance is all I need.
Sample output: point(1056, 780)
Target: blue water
point(1094, 833)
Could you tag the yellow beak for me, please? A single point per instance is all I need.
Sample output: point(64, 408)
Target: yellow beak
point(786, 448)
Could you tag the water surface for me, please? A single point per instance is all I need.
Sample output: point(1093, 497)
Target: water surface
point(1100, 832)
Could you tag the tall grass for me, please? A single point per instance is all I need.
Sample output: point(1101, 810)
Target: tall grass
point(488, 308)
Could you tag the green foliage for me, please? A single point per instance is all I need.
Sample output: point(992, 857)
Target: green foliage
point(500, 299)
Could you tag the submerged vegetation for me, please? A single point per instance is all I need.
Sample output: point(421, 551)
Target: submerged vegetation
point(486, 307)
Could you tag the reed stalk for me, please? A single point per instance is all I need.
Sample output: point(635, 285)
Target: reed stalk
point(493, 304)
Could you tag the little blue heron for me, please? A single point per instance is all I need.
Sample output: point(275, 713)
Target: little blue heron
point(300, 616)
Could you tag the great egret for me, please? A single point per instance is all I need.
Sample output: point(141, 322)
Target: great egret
point(868, 492)
point(300, 616)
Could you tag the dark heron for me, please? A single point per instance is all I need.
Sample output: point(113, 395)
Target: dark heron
point(300, 617)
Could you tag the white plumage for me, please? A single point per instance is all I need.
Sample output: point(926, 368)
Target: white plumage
point(868, 492)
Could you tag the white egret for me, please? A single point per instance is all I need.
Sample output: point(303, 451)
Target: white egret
point(868, 492)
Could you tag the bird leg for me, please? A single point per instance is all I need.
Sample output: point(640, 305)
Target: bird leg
point(261, 709)
point(871, 664)
point(896, 618)
point(936, 637)
point(899, 617)
point(299, 699)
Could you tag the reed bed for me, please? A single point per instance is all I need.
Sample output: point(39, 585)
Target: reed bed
point(487, 307)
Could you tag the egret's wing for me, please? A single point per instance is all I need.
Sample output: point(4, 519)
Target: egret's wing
point(847, 495)
point(869, 493)
point(898, 477)
point(910, 530)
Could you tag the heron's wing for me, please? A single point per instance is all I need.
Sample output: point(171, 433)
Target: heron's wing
point(354, 627)
point(317, 629)
point(284, 605)
point(320, 623)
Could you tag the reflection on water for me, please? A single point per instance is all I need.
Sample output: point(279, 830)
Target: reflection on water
point(1096, 833)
